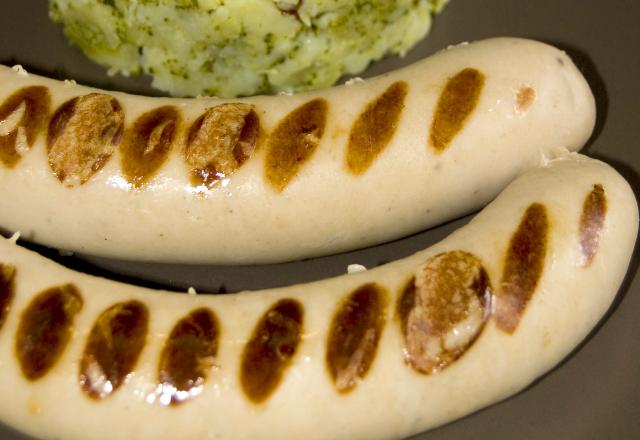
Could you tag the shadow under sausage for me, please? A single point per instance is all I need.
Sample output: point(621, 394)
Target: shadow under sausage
point(82, 266)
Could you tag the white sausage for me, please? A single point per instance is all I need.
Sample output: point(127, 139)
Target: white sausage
point(531, 101)
point(584, 263)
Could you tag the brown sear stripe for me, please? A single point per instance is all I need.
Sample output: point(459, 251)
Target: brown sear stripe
point(524, 98)
point(354, 336)
point(458, 100)
point(83, 134)
point(294, 141)
point(7, 290)
point(45, 329)
point(594, 211)
point(188, 356)
point(220, 142)
point(375, 127)
point(269, 352)
point(113, 348)
point(523, 268)
point(443, 310)
point(23, 116)
point(147, 144)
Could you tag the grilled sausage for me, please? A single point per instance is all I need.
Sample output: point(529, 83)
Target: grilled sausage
point(270, 179)
point(378, 354)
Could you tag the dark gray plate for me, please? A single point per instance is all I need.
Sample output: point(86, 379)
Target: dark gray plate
point(595, 393)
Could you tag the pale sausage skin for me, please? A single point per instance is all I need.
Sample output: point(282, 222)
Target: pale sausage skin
point(270, 179)
point(336, 352)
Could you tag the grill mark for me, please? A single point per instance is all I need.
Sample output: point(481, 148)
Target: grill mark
point(113, 348)
point(34, 102)
point(188, 356)
point(525, 97)
point(7, 290)
point(594, 212)
point(220, 142)
point(456, 103)
point(354, 336)
point(523, 267)
point(375, 127)
point(45, 329)
point(147, 144)
point(83, 134)
point(294, 141)
point(271, 349)
point(406, 303)
point(443, 310)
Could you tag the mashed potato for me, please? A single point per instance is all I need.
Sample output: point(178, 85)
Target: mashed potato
point(234, 48)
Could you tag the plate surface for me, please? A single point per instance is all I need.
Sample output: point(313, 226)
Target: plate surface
point(593, 394)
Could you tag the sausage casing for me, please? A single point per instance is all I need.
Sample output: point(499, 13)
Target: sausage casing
point(379, 354)
point(269, 179)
